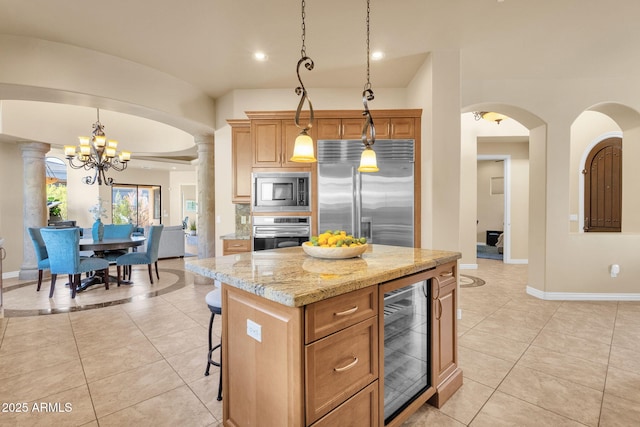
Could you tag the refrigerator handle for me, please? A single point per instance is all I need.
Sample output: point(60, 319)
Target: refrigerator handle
point(355, 212)
point(366, 228)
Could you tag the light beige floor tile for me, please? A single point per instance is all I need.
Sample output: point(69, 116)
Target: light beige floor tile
point(470, 319)
point(625, 359)
point(37, 340)
point(508, 411)
point(206, 388)
point(427, 415)
point(619, 412)
point(590, 313)
point(623, 384)
point(506, 329)
point(563, 397)
point(523, 319)
point(181, 341)
point(578, 328)
point(19, 326)
point(178, 407)
point(114, 361)
point(532, 304)
point(192, 364)
point(108, 339)
point(120, 391)
point(587, 349)
point(24, 362)
point(42, 382)
point(493, 345)
point(483, 368)
point(159, 325)
point(580, 371)
point(627, 336)
point(71, 407)
point(467, 401)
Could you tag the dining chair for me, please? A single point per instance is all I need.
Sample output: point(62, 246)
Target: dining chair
point(116, 231)
point(140, 258)
point(41, 252)
point(64, 258)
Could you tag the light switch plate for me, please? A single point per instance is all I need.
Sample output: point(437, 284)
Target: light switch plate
point(254, 330)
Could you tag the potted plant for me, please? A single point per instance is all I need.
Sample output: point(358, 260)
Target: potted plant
point(192, 228)
point(55, 213)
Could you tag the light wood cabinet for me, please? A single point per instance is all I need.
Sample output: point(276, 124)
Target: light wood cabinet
point(360, 410)
point(235, 246)
point(273, 142)
point(446, 374)
point(351, 128)
point(241, 160)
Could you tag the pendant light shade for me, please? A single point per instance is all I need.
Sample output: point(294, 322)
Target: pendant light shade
point(368, 162)
point(303, 149)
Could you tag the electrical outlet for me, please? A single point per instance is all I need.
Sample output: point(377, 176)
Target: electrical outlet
point(243, 219)
point(254, 330)
point(218, 219)
point(459, 313)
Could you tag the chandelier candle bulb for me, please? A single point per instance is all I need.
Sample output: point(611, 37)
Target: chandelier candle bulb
point(110, 152)
point(100, 141)
point(69, 150)
point(85, 150)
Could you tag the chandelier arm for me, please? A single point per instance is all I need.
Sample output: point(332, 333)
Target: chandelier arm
point(368, 127)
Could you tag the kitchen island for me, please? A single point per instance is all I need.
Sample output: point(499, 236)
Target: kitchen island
point(306, 340)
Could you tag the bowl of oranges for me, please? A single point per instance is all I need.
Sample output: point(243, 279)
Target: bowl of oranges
point(335, 245)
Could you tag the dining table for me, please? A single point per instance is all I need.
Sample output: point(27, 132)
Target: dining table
point(99, 247)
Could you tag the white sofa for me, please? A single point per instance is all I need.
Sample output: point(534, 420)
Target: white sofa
point(171, 242)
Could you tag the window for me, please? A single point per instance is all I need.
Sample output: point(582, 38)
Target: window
point(136, 204)
point(603, 187)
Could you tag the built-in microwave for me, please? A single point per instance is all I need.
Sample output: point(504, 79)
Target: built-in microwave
point(281, 191)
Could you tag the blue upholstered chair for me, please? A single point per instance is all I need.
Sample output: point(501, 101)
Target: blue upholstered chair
point(140, 258)
point(41, 252)
point(64, 258)
point(116, 231)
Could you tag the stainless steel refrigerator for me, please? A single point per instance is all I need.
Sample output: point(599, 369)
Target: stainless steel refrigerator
point(378, 205)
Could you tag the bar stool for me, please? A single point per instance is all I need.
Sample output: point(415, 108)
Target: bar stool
point(214, 301)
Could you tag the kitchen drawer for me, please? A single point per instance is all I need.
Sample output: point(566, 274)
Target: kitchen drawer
point(234, 246)
point(445, 277)
point(328, 316)
point(359, 411)
point(340, 365)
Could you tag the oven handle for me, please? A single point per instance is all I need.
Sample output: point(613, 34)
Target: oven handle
point(270, 232)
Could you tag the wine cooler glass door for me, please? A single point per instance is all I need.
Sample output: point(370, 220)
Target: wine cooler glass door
point(406, 346)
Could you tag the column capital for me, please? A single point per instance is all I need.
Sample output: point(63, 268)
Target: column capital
point(34, 149)
point(204, 140)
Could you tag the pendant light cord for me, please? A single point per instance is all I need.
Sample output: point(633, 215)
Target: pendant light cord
point(368, 130)
point(301, 90)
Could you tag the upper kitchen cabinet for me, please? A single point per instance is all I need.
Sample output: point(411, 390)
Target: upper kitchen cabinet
point(242, 160)
point(351, 128)
point(273, 142)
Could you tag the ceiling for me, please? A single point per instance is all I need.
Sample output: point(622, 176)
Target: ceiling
point(209, 43)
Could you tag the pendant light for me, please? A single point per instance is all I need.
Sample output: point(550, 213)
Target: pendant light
point(368, 161)
point(303, 148)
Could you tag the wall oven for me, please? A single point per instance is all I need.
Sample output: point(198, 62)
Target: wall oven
point(280, 232)
point(281, 191)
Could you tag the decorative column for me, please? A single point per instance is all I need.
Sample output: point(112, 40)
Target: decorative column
point(206, 196)
point(34, 208)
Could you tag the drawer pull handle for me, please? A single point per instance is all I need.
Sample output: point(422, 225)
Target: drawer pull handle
point(347, 312)
point(349, 366)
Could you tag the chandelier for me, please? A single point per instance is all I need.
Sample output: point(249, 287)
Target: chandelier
point(303, 147)
point(489, 116)
point(368, 162)
point(97, 153)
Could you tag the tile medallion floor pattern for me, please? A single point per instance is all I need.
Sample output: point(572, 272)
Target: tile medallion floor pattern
point(136, 356)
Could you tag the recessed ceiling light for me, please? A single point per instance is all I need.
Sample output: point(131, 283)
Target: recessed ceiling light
point(260, 56)
point(377, 55)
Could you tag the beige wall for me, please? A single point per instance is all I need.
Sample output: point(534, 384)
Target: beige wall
point(11, 202)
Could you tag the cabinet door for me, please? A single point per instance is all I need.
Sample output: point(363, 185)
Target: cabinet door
point(402, 128)
point(267, 143)
point(444, 310)
point(352, 128)
point(289, 133)
point(382, 128)
point(241, 164)
point(359, 411)
point(329, 128)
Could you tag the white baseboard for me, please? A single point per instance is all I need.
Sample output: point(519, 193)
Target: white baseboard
point(517, 261)
point(10, 274)
point(468, 266)
point(581, 296)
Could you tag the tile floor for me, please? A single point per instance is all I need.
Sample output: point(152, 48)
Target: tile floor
point(526, 362)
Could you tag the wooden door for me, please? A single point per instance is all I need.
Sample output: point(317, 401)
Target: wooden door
point(603, 187)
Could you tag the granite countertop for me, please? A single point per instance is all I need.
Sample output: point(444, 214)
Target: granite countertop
point(234, 236)
point(290, 277)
